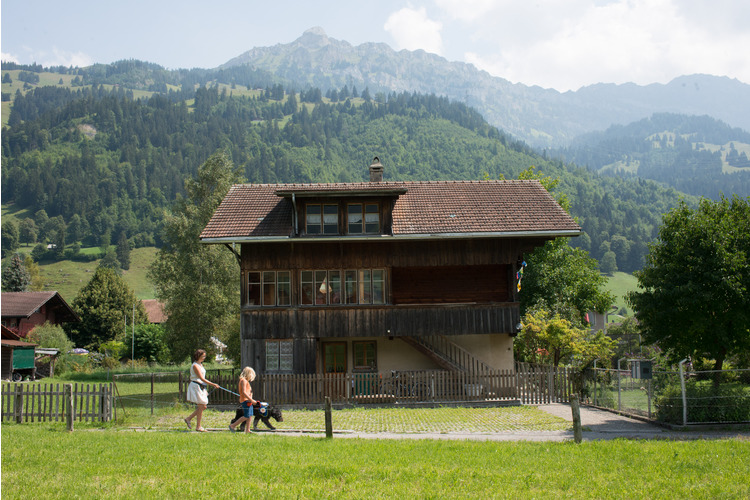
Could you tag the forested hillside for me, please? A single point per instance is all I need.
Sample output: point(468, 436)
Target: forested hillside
point(694, 154)
point(91, 163)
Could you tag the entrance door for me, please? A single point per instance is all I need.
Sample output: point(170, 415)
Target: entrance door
point(334, 370)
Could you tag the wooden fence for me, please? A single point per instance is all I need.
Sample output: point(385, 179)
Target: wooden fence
point(545, 384)
point(22, 402)
point(527, 384)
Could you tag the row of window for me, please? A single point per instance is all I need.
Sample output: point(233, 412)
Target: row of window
point(323, 218)
point(319, 287)
point(280, 357)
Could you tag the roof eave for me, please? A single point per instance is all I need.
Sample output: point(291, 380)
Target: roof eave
point(416, 236)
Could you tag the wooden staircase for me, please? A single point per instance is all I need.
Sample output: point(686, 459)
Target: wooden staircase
point(447, 354)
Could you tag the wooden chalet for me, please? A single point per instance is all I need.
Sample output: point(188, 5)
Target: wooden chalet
point(22, 311)
point(378, 276)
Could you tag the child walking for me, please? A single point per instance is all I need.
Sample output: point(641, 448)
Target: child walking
point(246, 398)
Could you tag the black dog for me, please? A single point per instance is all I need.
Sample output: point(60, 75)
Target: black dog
point(264, 414)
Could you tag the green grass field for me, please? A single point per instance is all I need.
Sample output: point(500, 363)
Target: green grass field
point(45, 461)
point(620, 284)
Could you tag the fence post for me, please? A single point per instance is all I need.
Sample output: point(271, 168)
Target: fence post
point(68, 399)
point(684, 395)
point(329, 420)
point(595, 377)
point(152, 393)
point(18, 403)
point(619, 392)
point(576, 418)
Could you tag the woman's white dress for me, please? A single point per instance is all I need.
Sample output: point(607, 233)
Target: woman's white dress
point(195, 393)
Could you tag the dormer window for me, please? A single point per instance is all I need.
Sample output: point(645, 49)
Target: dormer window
point(363, 218)
point(322, 218)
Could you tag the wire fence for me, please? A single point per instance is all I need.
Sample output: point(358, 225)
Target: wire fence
point(680, 397)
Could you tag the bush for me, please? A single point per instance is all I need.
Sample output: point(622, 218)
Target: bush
point(706, 404)
point(149, 344)
point(54, 337)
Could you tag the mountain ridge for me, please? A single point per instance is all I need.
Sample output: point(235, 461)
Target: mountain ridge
point(541, 117)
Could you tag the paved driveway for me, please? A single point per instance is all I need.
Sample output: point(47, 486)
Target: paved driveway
point(597, 424)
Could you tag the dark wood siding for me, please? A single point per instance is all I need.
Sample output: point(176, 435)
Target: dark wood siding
point(384, 252)
point(449, 284)
point(380, 321)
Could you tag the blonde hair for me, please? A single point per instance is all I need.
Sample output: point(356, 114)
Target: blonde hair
point(248, 374)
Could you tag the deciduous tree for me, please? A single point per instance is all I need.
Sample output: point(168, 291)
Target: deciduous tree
point(550, 338)
point(694, 296)
point(198, 284)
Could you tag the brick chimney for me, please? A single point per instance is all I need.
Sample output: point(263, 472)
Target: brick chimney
point(376, 170)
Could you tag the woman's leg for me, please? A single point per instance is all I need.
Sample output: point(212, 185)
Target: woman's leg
point(198, 416)
point(190, 417)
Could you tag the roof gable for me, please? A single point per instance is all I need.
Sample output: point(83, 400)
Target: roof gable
point(24, 304)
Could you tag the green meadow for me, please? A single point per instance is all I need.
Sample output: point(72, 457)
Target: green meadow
point(45, 461)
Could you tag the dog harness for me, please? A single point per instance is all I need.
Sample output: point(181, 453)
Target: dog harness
point(261, 409)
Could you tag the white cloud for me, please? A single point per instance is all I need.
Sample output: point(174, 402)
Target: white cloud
point(4, 56)
point(65, 58)
point(412, 29)
point(56, 57)
point(568, 44)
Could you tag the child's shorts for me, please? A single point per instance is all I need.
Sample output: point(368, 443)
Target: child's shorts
point(247, 409)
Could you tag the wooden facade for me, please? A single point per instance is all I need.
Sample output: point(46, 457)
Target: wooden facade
point(342, 278)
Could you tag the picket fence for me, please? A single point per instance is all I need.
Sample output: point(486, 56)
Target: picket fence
point(527, 384)
point(23, 402)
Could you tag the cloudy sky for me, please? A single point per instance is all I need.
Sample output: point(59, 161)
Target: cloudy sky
point(561, 44)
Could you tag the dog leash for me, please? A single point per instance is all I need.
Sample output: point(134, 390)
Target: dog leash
point(231, 392)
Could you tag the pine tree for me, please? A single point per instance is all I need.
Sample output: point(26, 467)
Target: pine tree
point(16, 277)
point(123, 251)
point(105, 306)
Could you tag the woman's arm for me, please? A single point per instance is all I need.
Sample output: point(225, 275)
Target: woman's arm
point(199, 373)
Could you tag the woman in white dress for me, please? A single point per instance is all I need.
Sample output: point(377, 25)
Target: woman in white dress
point(197, 392)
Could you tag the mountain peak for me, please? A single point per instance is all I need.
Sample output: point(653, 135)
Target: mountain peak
point(314, 38)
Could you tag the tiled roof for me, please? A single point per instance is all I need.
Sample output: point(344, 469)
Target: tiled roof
point(154, 311)
point(24, 304)
point(421, 208)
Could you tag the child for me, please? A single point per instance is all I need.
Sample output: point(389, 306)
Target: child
point(246, 398)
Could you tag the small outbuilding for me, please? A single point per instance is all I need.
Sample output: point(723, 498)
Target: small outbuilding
point(17, 357)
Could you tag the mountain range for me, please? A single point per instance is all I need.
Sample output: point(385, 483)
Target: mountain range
point(542, 118)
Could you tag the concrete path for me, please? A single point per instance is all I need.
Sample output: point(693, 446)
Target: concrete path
point(597, 424)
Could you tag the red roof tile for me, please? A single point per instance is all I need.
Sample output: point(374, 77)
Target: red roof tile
point(421, 208)
point(154, 311)
point(24, 304)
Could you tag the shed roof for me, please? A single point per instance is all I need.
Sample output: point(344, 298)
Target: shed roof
point(420, 210)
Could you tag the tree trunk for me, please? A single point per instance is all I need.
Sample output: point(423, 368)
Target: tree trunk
point(718, 366)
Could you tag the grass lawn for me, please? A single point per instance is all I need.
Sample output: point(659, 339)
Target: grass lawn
point(620, 284)
point(45, 461)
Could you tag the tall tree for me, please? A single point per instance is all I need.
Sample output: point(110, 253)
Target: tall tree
point(695, 287)
point(10, 237)
point(16, 277)
point(106, 307)
point(123, 251)
point(563, 279)
point(198, 284)
point(37, 282)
